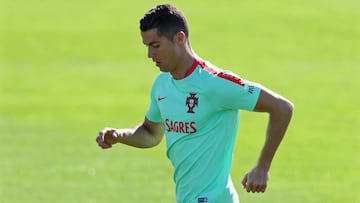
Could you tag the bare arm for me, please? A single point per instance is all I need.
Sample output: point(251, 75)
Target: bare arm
point(147, 134)
point(280, 113)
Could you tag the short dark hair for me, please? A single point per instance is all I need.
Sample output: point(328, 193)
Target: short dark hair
point(168, 20)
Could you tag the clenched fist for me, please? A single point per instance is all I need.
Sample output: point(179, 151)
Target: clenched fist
point(107, 137)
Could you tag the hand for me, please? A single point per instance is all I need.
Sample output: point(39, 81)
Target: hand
point(107, 137)
point(256, 180)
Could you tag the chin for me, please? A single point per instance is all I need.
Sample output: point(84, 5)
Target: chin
point(162, 69)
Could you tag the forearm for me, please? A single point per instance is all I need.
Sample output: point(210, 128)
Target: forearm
point(277, 126)
point(141, 136)
point(280, 113)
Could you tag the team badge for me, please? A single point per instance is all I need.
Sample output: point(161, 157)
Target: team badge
point(191, 102)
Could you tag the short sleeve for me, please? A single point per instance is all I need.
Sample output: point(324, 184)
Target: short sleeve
point(234, 92)
point(153, 113)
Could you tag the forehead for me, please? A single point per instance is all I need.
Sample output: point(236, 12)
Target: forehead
point(151, 36)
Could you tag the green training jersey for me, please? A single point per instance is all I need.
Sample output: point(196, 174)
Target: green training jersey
point(200, 114)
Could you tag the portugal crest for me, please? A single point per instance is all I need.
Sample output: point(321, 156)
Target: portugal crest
point(191, 102)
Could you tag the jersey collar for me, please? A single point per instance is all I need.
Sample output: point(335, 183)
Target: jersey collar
point(193, 67)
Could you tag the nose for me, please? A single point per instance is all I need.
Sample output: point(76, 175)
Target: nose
point(151, 52)
point(148, 53)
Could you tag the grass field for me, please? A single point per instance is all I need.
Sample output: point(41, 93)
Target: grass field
point(70, 68)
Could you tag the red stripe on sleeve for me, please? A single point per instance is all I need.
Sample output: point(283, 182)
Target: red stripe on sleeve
point(232, 78)
point(226, 76)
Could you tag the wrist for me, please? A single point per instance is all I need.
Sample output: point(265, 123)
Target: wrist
point(120, 133)
point(264, 164)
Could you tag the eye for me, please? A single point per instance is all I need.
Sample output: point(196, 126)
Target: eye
point(156, 46)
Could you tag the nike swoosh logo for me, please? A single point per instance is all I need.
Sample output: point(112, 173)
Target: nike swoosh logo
point(161, 98)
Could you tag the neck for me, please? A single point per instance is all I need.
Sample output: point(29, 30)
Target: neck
point(184, 66)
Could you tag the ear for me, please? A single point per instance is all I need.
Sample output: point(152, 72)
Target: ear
point(180, 38)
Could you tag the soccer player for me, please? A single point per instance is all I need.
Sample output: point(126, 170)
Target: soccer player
point(196, 105)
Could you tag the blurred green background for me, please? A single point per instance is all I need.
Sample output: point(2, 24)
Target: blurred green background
point(70, 68)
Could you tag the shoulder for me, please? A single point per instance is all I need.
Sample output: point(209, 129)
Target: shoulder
point(161, 78)
point(220, 75)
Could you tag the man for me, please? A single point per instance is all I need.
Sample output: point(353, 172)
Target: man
point(197, 106)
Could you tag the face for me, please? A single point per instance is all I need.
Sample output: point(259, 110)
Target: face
point(161, 50)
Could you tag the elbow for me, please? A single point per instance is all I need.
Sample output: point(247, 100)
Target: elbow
point(291, 106)
point(287, 108)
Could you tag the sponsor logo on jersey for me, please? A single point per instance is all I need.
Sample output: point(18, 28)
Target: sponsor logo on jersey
point(180, 126)
point(192, 102)
point(161, 98)
point(251, 88)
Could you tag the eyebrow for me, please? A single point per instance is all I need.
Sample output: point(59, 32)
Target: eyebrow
point(152, 43)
